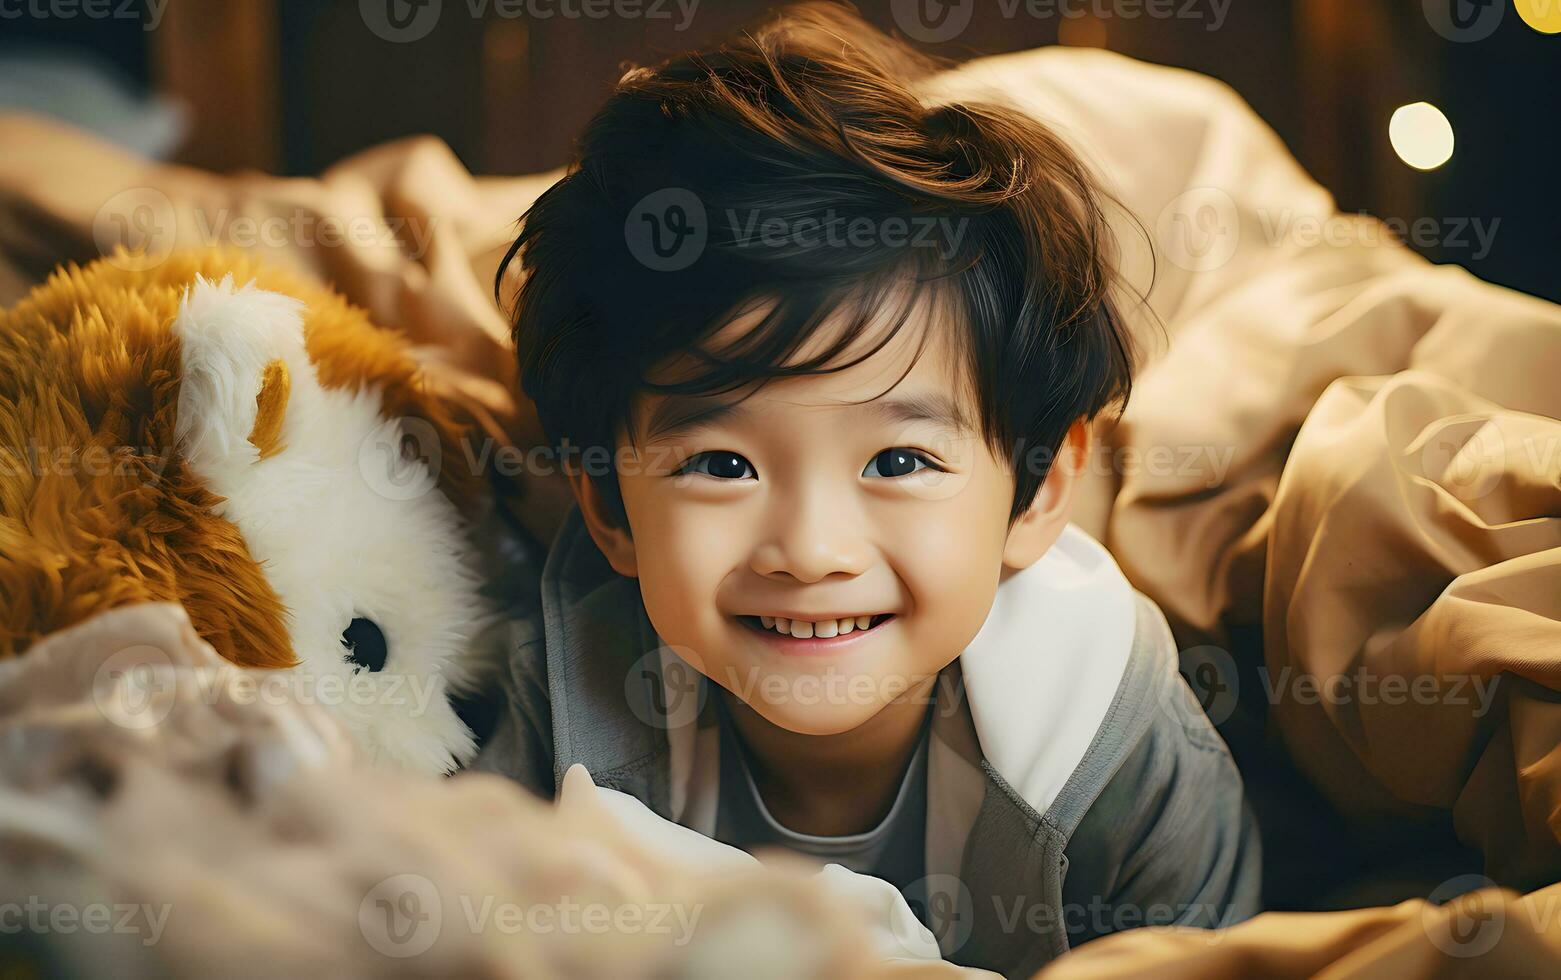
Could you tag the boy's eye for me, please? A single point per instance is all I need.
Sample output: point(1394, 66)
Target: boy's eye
point(721, 465)
point(893, 463)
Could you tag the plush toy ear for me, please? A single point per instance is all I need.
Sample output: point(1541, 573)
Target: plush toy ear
point(270, 408)
point(244, 358)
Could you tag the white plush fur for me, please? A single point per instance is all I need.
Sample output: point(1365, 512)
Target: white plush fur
point(342, 525)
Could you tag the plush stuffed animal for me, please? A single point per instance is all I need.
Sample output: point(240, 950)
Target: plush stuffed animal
point(231, 437)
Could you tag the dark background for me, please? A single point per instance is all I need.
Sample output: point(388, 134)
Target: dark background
point(290, 86)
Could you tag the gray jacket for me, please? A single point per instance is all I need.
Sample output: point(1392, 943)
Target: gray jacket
point(1145, 825)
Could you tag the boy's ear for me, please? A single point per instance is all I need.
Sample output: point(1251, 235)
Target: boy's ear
point(611, 536)
point(1038, 528)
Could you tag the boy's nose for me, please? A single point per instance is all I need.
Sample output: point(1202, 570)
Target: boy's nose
point(811, 539)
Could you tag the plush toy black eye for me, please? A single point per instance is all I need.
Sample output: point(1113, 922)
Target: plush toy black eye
point(365, 644)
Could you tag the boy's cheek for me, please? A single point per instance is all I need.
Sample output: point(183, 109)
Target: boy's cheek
point(948, 552)
point(681, 568)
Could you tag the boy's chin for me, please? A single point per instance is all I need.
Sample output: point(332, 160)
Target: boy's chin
point(817, 720)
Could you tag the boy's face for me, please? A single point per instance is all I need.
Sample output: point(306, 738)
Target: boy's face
point(830, 542)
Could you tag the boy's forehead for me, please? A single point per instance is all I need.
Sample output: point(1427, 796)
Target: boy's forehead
point(915, 369)
point(917, 318)
point(911, 316)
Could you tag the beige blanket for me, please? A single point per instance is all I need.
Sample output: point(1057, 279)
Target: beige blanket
point(1340, 474)
point(164, 815)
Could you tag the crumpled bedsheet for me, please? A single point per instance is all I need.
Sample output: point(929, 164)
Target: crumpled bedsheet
point(1354, 524)
point(165, 813)
point(1340, 475)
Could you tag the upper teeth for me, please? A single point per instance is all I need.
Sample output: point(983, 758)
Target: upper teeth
point(803, 629)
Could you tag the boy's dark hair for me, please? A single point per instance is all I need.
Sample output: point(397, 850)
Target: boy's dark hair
point(809, 119)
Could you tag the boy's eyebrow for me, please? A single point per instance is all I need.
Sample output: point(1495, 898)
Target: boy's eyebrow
point(932, 407)
point(682, 415)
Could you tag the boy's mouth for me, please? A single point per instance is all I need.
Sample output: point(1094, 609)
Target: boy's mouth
point(803, 629)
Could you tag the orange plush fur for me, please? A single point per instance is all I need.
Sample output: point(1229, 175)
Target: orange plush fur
point(97, 510)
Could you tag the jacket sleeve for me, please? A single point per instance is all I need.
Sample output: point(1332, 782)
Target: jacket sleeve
point(520, 743)
point(1170, 840)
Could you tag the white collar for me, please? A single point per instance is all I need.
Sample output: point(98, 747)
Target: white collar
point(1043, 671)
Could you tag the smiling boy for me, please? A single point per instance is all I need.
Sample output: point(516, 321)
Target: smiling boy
point(821, 591)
